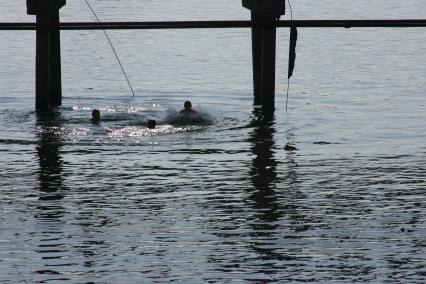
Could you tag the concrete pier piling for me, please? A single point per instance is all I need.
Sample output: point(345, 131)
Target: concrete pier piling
point(264, 16)
point(48, 52)
point(264, 21)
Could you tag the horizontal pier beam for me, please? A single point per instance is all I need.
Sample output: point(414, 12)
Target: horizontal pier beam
point(408, 23)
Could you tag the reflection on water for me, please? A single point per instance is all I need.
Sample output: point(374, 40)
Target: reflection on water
point(222, 200)
point(49, 212)
point(264, 198)
point(48, 154)
point(243, 210)
point(263, 171)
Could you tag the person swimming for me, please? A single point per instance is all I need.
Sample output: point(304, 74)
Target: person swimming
point(151, 124)
point(96, 115)
point(188, 115)
point(187, 108)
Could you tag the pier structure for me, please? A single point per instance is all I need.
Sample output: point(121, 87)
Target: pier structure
point(48, 89)
point(265, 16)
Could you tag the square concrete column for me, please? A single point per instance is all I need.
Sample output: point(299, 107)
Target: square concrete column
point(48, 52)
point(264, 14)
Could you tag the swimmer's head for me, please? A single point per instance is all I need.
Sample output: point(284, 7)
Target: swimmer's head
point(187, 105)
point(151, 124)
point(96, 115)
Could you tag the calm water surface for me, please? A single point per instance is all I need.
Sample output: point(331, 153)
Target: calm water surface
point(218, 201)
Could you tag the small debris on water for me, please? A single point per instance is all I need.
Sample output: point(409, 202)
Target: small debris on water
point(289, 147)
point(324, 143)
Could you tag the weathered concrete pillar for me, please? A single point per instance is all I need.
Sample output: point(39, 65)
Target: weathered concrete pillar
point(48, 55)
point(55, 62)
point(256, 42)
point(264, 14)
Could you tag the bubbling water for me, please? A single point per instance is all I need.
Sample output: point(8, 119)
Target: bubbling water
point(188, 118)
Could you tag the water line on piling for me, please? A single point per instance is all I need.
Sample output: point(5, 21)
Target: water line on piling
point(112, 47)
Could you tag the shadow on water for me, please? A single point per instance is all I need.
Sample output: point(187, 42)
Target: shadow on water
point(48, 153)
point(263, 172)
point(277, 204)
point(263, 198)
point(266, 196)
point(49, 211)
point(267, 215)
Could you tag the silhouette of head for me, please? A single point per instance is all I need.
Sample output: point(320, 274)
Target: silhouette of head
point(151, 124)
point(96, 115)
point(187, 105)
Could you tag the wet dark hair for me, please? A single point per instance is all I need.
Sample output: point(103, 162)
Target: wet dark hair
point(96, 114)
point(187, 104)
point(151, 124)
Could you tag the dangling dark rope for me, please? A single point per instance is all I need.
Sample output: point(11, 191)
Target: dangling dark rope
point(113, 49)
point(292, 52)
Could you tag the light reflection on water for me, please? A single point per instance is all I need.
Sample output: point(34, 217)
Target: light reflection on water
point(94, 208)
point(219, 201)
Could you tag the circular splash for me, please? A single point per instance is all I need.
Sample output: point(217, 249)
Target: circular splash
point(192, 118)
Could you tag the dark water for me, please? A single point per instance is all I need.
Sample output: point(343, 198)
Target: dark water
point(221, 200)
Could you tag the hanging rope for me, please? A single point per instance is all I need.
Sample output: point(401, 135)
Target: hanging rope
point(113, 49)
point(292, 52)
